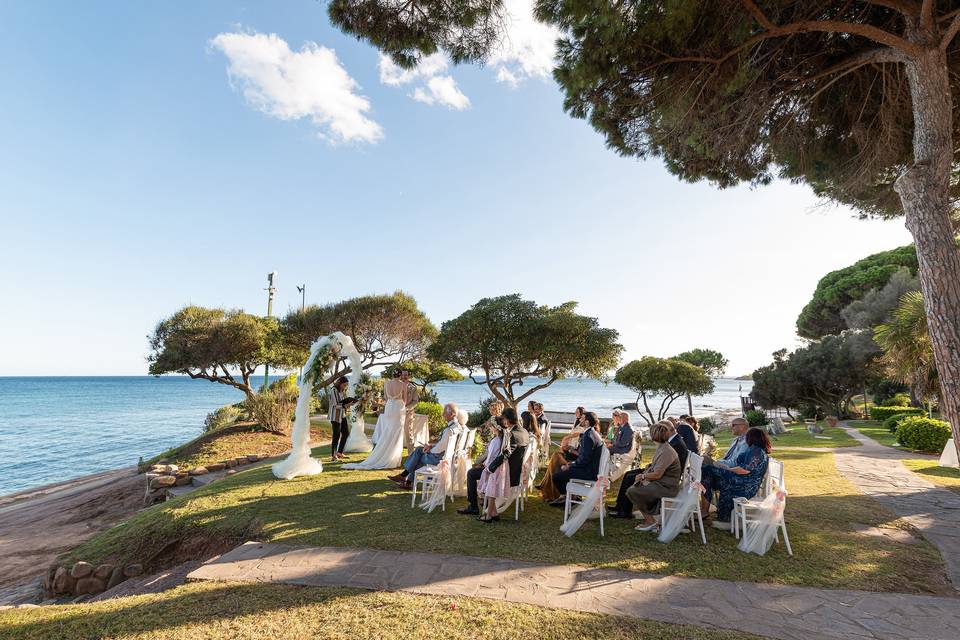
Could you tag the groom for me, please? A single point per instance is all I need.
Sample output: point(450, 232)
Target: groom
point(413, 397)
point(430, 453)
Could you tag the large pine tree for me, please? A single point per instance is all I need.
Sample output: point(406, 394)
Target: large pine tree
point(852, 97)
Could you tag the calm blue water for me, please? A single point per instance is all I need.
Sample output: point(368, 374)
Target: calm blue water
point(54, 429)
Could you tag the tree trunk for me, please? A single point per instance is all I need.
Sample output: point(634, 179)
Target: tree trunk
point(924, 192)
point(689, 405)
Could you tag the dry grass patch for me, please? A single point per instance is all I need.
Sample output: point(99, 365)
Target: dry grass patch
point(931, 471)
point(282, 612)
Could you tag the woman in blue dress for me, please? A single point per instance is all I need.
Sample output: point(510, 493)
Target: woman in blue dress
point(739, 481)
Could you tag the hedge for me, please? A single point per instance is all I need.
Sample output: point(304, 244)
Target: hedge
point(882, 413)
point(923, 434)
point(891, 423)
point(434, 413)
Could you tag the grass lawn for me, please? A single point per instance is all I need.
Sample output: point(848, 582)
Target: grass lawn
point(237, 440)
point(363, 509)
point(798, 436)
point(875, 429)
point(282, 612)
point(933, 472)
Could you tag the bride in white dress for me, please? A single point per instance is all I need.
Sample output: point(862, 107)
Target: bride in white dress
point(386, 454)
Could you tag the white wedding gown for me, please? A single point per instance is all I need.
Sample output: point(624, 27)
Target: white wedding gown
point(386, 454)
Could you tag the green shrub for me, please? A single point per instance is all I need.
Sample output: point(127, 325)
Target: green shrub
point(273, 407)
point(891, 423)
point(923, 434)
point(707, 426)
point(756, 418)
point(429, 395)
point(222, 417)
point(898, 400)
point(882, 413)
point(434, 413)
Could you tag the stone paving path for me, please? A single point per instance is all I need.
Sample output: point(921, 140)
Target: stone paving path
point(933, 510)
point(775, 611)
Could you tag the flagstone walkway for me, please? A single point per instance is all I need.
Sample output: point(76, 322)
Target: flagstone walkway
point(775, 611)
point(933, 510)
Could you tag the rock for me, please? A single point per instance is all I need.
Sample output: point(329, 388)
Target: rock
point(81, 570)
point(162, 481)
point(184, 481)
point(253, 457)
point(218, 466)
point(199, 471)
point(61, 581)
point(228, 463)
point(232, 472)
point(89, 585)
point(116, 577)
point(103, 571)
point(132, 570)
point(164, 468)
point(239, 460)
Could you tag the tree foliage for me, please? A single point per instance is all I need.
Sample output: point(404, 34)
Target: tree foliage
point(877, 305)
point(825, 374)
point(663, 379)
point(217, 345)
point(907, 352)
point(503, 341)
point(838, 289)
point(386, 329)
point(712, 362)
point(425, 372)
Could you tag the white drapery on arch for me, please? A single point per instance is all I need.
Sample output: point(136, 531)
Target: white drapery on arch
point(299, 462)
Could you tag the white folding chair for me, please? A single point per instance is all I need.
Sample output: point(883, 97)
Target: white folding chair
point(692, 474)
point(578, 490)
point(620, 463)
point(429, 475)
point(545, 428)
point(744, 509)
point(461, 463)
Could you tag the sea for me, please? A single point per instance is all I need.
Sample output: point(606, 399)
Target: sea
point(54, 429)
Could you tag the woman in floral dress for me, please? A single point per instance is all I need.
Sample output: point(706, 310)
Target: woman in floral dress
point(740, 481)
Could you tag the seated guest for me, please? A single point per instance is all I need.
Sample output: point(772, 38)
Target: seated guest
point(623, 508)
point(679, 446)
point(531, 424)
point(738, 427)
point(622, 441)
point(587, 464)
point(474, 474)
point(504, 464)
point(430, 453)
point(567, 453)
point(686, 427)
point(659, 480)
point(742, 480)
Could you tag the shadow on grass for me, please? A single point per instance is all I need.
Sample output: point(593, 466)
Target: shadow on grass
point(362, 509)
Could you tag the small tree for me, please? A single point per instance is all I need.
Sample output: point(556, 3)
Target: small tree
point(664, 378)
point(712, 362)
point(503, 341)
point(273, 407)
point(386, 329)
point(908, 354)
point(217, 345)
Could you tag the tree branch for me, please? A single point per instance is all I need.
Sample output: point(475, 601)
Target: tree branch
point(758, 14)
point(950, 33)
point(926, 14)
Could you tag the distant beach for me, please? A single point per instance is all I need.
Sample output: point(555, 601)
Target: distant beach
point(54, 429)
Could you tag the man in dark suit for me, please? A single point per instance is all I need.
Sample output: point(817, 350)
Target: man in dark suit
point(687, 433)
point(587, 464)
point(623, 508)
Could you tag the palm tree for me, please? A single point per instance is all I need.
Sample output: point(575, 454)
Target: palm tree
point(908, 353)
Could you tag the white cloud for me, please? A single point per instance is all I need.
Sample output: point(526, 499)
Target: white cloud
point(310, 83)
point(434, 86)
point(528, 47)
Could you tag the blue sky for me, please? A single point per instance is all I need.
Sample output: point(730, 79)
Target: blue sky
point(137, 176)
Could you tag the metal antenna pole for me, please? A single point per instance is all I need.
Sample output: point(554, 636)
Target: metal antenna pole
point(270, 291)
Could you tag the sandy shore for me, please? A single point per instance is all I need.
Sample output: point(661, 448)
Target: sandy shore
point(39, 524)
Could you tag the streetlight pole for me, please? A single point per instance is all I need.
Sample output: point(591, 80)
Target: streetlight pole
point(303, 297)
point(270, 291)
